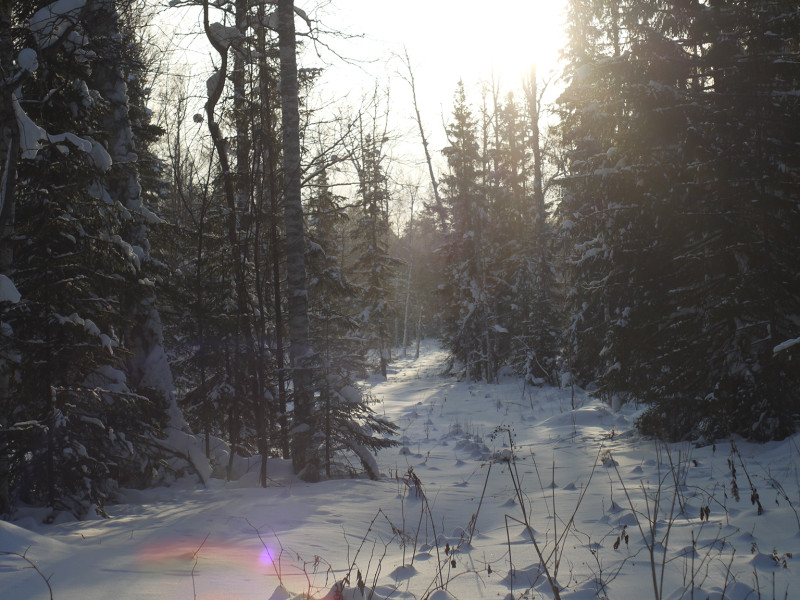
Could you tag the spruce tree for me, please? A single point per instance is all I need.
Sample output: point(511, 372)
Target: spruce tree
point(737, 232)
point(85, 430)
point(374, 264)
point(345, 424)
point(679, 208)
point(469, 325)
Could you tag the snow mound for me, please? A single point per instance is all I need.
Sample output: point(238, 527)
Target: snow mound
point(403, 573)
point(14, 539)
point(280, 593)
point(441, 595)
point(593, 415)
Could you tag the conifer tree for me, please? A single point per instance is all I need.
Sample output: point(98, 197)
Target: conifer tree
point(86, 431)
point(735, 290)
point(535, 323)
point(9, 154)
point(147, 368)
point(373, 263)
point(469, 327)
point(680, 237)
point(345, 423)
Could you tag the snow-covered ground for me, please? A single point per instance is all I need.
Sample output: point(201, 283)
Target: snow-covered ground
point(612, 515)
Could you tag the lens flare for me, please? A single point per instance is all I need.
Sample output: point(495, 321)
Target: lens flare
point(265, 558)
point(208, 554)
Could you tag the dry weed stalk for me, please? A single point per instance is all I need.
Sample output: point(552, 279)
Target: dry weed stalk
point(31, 565)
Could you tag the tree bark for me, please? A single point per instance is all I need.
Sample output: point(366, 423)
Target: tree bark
point(270, 188)
point(408, 277)
point(300, 352)
point(242, 332)
point(9, 148)
point(531, 89)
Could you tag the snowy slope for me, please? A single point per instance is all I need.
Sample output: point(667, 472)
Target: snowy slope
point(592, 489)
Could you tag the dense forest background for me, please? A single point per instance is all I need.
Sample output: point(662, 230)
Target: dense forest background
point(186, 281)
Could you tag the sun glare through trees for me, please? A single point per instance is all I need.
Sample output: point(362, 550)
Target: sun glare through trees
point(509, 37)
point(265, 263)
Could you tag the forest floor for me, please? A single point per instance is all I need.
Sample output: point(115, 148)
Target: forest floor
point(609, 514)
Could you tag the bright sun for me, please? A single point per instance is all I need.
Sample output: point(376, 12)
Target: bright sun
point(508, 36)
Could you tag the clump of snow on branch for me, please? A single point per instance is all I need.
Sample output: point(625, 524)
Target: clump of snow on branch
point(30, 134)
point(102, 159)
point(785, 345)
point(212, 83)
point(27, 60)
point(223, 35)
point(31, 138)
point(8, 291)
point(50, 23)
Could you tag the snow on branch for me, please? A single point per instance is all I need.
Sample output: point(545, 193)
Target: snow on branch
point(785, 346)
point(31, 137)
point(27, 60)
point(223, 35)
point(52, 22)
point(8, 291)
point(30, 134)
point(298, 11)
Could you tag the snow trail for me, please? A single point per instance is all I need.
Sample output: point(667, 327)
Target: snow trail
point(446, 513)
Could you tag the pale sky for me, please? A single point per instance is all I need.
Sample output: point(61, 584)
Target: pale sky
point(457, 37)
point(447, 40)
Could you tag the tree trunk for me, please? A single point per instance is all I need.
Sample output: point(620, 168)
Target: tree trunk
point(300, 353)
point(261, 139)
point(9, 148)
point(531, 88)
point(408, 278)
point(250, 369)
point(278, 309)
point(440, 209)
point(270, 187)
point(419, 334)
point(242, 331)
